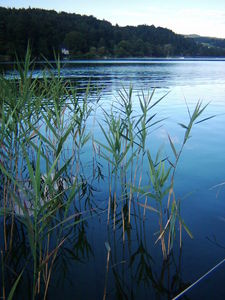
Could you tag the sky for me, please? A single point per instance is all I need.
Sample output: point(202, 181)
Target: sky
point(203, 17)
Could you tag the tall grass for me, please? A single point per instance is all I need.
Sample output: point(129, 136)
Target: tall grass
point(125, 151)
point(39, 117)
point(45, 190)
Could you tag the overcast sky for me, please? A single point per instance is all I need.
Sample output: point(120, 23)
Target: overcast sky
point(203, 17)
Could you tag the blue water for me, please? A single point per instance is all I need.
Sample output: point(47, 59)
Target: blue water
point(202, 165)
point(136, 268)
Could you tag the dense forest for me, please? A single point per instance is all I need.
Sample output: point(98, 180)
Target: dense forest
point(88, 37)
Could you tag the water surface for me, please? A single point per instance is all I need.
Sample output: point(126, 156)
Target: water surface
point(136, 267)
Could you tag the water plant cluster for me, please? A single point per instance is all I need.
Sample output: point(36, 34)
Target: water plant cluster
point(49, 187)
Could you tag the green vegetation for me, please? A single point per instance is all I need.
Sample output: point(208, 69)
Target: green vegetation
point(208, 41)
point(88, 37)
point(46, 195)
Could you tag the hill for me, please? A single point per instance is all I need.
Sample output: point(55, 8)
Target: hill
point(211, 42)
point(88, 37)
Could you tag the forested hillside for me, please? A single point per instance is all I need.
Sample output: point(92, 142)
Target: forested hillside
point(208, 41)
point(88, 37)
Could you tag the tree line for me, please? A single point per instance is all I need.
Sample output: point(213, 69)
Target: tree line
point(87, 37)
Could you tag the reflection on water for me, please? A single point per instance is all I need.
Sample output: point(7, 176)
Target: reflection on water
point(131, 265)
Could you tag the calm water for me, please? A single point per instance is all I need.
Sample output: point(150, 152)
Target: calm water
point(136, 269)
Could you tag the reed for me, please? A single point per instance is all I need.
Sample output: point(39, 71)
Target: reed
point(125, 127)
point(46, 191)
point(37, 122)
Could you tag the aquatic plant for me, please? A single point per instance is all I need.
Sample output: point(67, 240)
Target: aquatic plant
point(37, 192)
point(49, 189)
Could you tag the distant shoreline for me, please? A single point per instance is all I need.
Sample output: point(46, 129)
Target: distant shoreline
point(124, 60)
point(9, 65)
point(147, 59)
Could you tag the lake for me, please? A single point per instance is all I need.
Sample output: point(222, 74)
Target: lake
point(134, 267)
